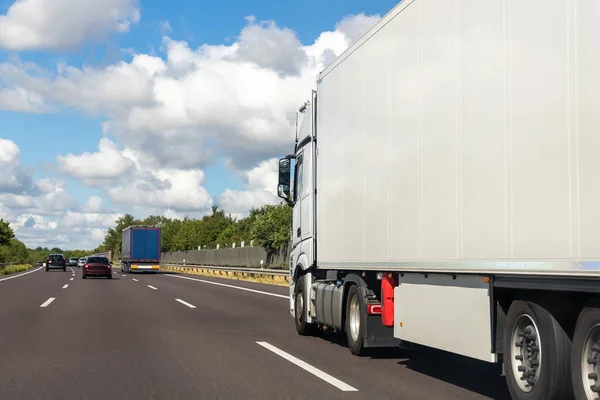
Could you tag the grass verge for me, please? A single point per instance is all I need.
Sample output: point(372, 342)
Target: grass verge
point(258, 278)
point(13, 269)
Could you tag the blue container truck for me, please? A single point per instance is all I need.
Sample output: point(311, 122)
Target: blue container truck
point(140, 249)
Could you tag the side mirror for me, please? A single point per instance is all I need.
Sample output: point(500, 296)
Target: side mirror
point(285, 174)
point(283, 191)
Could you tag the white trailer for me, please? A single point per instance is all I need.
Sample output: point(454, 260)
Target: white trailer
point(445, 187)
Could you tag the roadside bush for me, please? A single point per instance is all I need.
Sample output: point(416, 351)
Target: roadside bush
point(13, 269)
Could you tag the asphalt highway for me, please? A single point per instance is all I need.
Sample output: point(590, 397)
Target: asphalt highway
point(166, 336)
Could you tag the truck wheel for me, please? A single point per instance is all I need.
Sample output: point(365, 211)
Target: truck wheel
point(585, 355)
point(536, 354)
point(304, 328)
point(354, 325)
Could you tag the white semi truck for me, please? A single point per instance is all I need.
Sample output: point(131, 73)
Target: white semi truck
point(445, 186)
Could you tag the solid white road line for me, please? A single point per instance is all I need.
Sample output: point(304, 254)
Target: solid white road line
point(66, 286)
point(309, 368)
point(152, 287)
point(23, 274)
point(185, 303)
point(230, 286)
point(135, 279)
point(47, 302)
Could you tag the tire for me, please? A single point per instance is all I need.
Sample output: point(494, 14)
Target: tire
point(302, 327)
point(551, 378)
point(582, 370)
point(83, 276)
point(354, 326)
point(109, 276)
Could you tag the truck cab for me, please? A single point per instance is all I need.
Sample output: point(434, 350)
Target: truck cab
point(297, 187)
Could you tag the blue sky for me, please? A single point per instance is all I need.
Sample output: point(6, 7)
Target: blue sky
point(114, 115)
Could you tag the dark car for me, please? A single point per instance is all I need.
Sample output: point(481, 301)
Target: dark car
point(56, 261)
point(97, 266)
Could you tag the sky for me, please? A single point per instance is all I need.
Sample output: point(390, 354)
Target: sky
point(154, 108)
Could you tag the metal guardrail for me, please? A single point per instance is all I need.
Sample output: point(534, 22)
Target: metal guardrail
point(258, 271)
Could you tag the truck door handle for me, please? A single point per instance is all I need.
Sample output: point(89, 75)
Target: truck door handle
point(298, 232)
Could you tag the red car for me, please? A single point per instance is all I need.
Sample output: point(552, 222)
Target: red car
point(97, 266)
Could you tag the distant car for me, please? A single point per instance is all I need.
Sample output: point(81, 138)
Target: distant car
point(73, 261)
point(56, 261)
point(81, 262)
point(97, 266)
point(40, 263)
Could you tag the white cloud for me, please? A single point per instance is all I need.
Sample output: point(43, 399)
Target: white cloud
point(51, 24)
point(108, 163)
point(21, 100)
point(51, 218)
point(9, 152)
point(44, 197)
point(132, 181)
point(94, 204)
point(67, 230)
point(48, 185)
point(34, 222)
point(269, 46)
point(14, 178)
point(261, 183)
point(89, 219)
point(16, 201)
point(165, 189)
point(43, 212)
point(354, 26)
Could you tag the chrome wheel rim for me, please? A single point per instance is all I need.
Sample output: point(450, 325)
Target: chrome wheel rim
point(526, 353)
point(299, 306)
point(590, 358)
point(354, 318)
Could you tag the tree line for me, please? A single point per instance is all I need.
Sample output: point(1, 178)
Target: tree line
point(268, 226)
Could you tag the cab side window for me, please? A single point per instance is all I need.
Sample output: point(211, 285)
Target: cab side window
point(299, 178)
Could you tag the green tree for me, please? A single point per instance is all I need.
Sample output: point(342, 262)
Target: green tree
point(272, 227)
point(14, 252)
point(6, 233)
point(230, 234)
point(169, 230)
point(112, 240)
